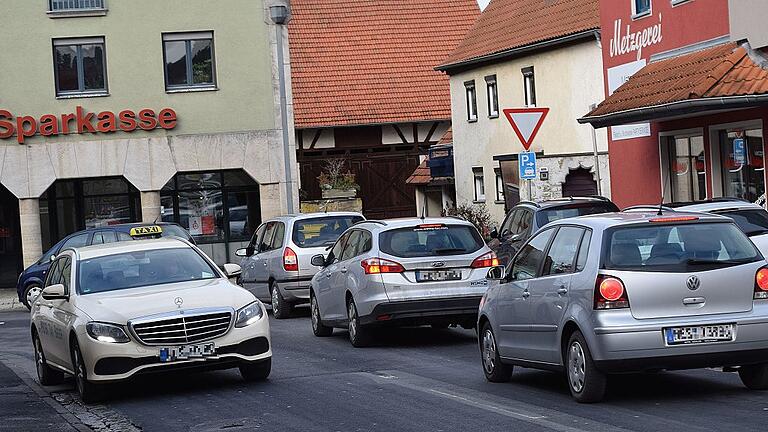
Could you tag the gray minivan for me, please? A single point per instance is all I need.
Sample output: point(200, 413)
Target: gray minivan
point(276, 264)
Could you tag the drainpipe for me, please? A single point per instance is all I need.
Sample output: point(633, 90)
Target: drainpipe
point(280, 16)
point(597, 157)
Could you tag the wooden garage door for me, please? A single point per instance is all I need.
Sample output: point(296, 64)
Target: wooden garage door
point(579, 183)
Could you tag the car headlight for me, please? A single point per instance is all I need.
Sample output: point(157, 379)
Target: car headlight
point(104, 332)
point(249, 314)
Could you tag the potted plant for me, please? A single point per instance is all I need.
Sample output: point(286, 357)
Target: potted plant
point(335, 182)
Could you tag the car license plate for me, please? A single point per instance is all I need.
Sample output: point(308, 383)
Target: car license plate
point(186, 352)
point(438, 275)
point(699, 334)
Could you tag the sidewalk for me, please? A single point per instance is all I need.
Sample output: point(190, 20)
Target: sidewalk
point(9, 300)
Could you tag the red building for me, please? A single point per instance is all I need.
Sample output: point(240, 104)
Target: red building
point(687, 99)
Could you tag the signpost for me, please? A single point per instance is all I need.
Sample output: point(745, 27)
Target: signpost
point(526, 123)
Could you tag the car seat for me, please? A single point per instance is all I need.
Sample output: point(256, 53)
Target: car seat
point(626, 255)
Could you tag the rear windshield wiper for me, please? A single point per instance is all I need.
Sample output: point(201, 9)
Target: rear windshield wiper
point(695, 261)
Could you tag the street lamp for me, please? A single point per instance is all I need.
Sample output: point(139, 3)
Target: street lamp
point(280, 16)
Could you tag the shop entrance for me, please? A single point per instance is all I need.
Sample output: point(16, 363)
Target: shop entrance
point(742, 166)
point(10, 239)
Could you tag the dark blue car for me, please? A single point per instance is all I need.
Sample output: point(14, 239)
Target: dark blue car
point(31, 279)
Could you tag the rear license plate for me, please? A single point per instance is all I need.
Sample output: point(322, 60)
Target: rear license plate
point(438, 275)
point(699, 334)
point(186, 352)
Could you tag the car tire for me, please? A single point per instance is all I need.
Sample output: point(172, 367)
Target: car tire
point(256, 371)
point(754, 377)
point(359, 335)
point(29, 292)
point(88, 391)
point(281, 309)
point(495, 371)
point(318, 328)
point(45, 374)
point(586, 383)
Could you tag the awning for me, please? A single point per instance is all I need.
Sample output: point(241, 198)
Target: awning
point(719, 78)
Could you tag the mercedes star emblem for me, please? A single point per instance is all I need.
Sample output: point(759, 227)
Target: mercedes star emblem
point(693, 283)
point(179, 301)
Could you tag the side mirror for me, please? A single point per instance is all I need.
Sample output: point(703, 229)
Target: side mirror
point(232, 270)
point(318, 261)
point(496, 273)
point(54, 292)
point(241, 253)
point(494, 233)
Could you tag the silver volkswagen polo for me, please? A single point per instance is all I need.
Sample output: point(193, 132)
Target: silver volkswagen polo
point(629, 292)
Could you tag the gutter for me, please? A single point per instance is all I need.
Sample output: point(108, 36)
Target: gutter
point(521, 51)
point(674, 109)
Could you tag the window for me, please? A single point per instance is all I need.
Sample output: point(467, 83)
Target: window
point(499, 185)
point(742, 162)
point(471, 101)
point(581, 261)
point(431, 241)
point(528, 261)
point(687, 171)
point(54, 274)
point(266, 241)
point(479, 184)
point(493, 96)
point(352, 246)
point(80, 66)
point(529, 87)
point(277, 240)
point(546, 216)
point(335, 254)
point(189, 60)
point(677, 2)
point(642, 8)
point(562, 254)
point(511, 223)
point(77, 241)
point(257, 236)
point(75, 5)
point(321, 231)
point(104, 237)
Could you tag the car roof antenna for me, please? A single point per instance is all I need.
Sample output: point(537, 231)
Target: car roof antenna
point(663, 191)
point(424, 208)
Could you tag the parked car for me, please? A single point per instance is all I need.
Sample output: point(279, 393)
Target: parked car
point(276, 264)
point(527, 217)
point(110, 312)
point(30, 281)
point(629, 292)
point(400, 272)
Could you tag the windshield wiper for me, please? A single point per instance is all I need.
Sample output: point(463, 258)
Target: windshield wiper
point(447, 250)
point(696, 261)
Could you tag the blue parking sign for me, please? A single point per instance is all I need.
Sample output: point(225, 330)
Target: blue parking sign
point(739, 152)
point(527, 165)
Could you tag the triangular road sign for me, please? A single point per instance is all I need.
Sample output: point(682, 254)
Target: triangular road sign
point(526, 122)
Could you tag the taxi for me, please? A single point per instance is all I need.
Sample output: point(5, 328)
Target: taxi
point(107, 313)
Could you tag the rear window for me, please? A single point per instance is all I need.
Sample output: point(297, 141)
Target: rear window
point(677, 248)
point(546, 216)
point(752, 222)
point(321, 231)
point(430, 240)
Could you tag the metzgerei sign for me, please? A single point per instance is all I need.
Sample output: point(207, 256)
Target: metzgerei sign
point(82, 122)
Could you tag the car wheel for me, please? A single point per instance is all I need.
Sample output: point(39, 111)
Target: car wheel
point(359, 335)
point(30, 294)
point(318, 328)
point(495, 371)
point(256, 371)
point(587, 384)
point(46, 374)
point(754, 377)
point(88, 391)
point(281, 309)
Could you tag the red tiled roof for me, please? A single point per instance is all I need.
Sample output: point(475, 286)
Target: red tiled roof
point(509, 24)
point(359, 62)
point(422, 175)
point(447, 137)
point(720, 71)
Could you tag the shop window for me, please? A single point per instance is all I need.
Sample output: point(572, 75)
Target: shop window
point(686, 169)
point(529, 86)
point(189, 60)
point(743, 170)
point(471, 93)
point(479, 181)
point(641, 8)
point(492, 92)
point(80, 66)
point(499, 185)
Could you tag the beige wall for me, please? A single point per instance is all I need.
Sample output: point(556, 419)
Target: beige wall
point(567, 79)
point(747, 20)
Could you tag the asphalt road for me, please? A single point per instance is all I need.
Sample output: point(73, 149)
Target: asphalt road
point(413, 380)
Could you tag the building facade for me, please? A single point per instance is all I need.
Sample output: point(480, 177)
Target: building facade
point(687, 89)
point(138, 111)
point(515, 57)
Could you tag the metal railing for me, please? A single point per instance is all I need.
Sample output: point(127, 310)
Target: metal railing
point(75, 5)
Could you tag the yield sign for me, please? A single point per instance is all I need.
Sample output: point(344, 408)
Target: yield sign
point(526, 122)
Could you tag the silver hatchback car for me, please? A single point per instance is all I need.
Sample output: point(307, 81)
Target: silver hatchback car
point(629, 292)
point(400, 272)
point(276, 264)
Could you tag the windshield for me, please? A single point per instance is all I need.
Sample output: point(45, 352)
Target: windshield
point(430, 240)
point(144, 268)
point(677, 248)
point(548, 215)
point(321, 231)
point(752, 222)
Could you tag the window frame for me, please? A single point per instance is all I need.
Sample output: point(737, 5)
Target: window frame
point(275, 237)
point(529, 93)
point(643, 14)
point(492, 93)
point(188, 38)
point(470, 92)
point(478, 172)
point(544, 250)
point(78, 42)
point(499, 180)
point(575, 254)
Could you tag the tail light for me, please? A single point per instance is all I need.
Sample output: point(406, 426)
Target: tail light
point(290, 260)
point(487, 260)
point(761, 284)
point(380, 265)
point(611, 294)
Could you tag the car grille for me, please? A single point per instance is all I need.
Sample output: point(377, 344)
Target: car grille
point(182, 328)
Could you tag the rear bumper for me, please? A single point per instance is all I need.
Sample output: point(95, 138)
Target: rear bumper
point(417, 312)
point(295, 290)
point(686, 361)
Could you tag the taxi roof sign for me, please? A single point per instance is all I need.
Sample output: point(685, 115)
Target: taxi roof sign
point(146, 231)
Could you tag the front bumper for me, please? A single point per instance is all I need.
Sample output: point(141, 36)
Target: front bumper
point(455, 310)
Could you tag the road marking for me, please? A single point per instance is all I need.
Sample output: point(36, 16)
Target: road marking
point(478, 404)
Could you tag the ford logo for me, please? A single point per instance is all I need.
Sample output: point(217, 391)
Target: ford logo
point(693, 283)
point(438, 264)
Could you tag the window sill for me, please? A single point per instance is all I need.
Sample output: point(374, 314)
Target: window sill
point(636, 17)
point(192, 89)
point(679, 2)
point(472, 120)
point(81, 95)
point(493, 116)
point(76, 13)
point(499, 202)
point(478, 202)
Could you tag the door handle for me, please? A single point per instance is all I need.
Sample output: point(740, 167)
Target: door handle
point(562, 291)
point(344, 270)
point(327, 274)
point(526, 294)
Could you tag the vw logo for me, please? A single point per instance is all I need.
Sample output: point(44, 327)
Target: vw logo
point(693, 283)
point(438, 264)
point(179, 301)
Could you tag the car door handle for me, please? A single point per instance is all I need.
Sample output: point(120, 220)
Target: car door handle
point(526, 294)
point(343, 270)
point(562, 291)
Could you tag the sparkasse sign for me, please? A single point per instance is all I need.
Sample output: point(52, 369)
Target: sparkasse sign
point(81, 122)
